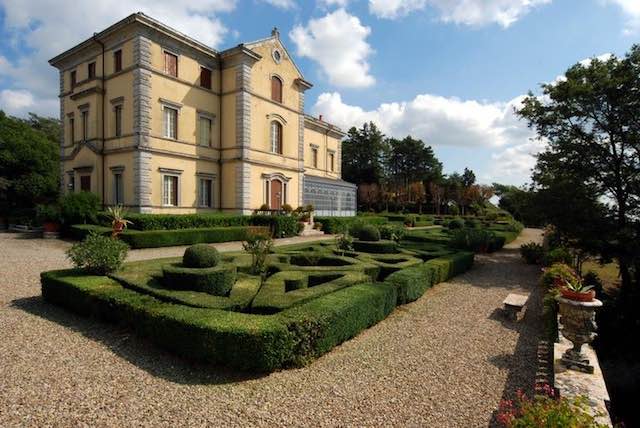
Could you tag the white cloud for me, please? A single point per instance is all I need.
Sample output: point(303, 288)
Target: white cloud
point(467, 12)
point(441, 121)
point(631, 9)
point(436, 120)
point(20, 102)
point(339, 3)
point(337, 42)
point(45, 28)
point(282, 4)
point(515, 162)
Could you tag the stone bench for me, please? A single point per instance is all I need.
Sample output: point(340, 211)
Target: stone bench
point(513, 304)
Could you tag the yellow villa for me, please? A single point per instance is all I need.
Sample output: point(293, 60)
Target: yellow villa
point(161, 123)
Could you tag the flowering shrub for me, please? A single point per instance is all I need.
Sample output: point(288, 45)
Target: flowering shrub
point(98, 255)
point(546, 410)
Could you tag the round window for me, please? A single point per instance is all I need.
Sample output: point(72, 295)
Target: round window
point(277, 56)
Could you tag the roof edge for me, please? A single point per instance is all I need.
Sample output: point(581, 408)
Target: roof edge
point(143, 19)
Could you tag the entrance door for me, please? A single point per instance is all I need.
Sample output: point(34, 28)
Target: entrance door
point(276, 194)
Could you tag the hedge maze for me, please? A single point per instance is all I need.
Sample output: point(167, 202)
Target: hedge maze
point(312, 297)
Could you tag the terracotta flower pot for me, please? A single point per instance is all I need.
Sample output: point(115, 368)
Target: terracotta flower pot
point(118, 227)
point(50, 226)
point(578, 296)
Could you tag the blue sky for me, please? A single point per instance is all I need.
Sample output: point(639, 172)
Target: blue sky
point(447, 71)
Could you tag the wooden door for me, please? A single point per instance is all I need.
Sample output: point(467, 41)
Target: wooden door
point(276, 194)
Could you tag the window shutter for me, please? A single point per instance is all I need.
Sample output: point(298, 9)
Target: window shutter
point(171, 64)
point(117, 61)
point(205, 77)
point(276, 89)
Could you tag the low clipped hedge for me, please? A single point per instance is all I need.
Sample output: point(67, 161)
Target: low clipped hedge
point(216, 280)
point(289, 288)
point(377, 247)
point(340, 224)
point(411, 283)
point(321, 324)
point(182, 221)
point(169, 238)
point(242, 341)
point(258, 343)
point(279, 225)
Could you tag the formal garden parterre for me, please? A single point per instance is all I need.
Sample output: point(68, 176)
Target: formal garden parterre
point(285, 310)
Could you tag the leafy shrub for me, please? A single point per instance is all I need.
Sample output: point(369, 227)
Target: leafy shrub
point(369, 233)
point(200, 256)
point(546, 410)
point(98, 254)
point(79, 207)
point(344, 242)
point(259, 246)
point(558, 255)
point(479, 240)
point(48, 213)
point(410, 220)
point(300, 227)
point(287, 208)
point(454, 210)
point(317, 225)
point(456, 223)
point(556, 274)
point(394, 233)
point(532, 253)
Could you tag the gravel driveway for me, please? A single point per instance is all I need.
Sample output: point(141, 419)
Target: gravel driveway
point(444, 360)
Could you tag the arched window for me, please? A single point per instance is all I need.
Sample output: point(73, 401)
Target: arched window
point(276, 137)
point(276, 89)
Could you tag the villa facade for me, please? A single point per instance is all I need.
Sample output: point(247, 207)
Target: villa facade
point(161, 123)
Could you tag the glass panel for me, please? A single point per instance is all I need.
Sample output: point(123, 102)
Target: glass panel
point(205, 131)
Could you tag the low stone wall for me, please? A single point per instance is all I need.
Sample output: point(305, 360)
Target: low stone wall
point(572, 383)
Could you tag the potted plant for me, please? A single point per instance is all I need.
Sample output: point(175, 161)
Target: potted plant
point(576, 290)
point(118, 222)
point(49, 216)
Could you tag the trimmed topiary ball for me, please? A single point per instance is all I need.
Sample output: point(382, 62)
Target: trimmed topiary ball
point(369, 233)
point(456, 223)
point(200, 256)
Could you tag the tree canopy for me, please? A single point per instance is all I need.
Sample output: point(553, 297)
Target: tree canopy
point(590, 122)
point(29, 156)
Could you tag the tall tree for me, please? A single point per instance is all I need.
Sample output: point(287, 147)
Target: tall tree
point(468, 178)
point(410, 161)
point(363, 154)
point(590, 121)
point(29, 160)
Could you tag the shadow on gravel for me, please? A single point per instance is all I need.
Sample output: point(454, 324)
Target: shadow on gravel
point(508, 272)
point(138, 351)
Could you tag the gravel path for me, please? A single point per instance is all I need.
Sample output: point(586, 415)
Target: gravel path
point(444, 360)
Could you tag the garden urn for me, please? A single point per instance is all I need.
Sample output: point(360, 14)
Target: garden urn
point(578, 325)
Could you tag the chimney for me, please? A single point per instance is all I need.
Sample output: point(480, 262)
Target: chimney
point(320, 118)
point(275, 33)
